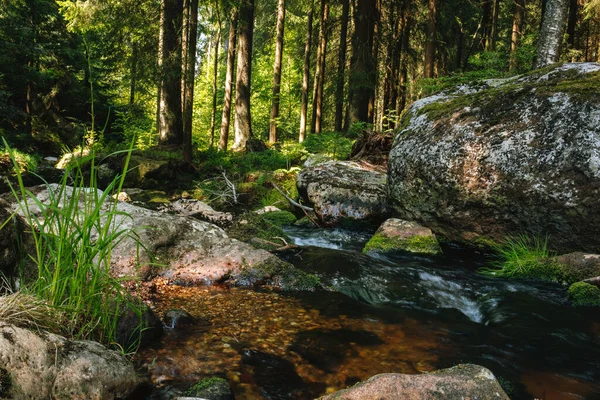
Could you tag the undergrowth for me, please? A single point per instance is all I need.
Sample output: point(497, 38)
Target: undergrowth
point(74, 232)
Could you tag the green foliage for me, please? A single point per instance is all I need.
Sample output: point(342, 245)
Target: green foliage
point(413, 244)
point(204, 384)
point(334, 144)
point(25, 161)
point(522, 257)
point(583, 294)
point(280, 218)
point(74, 235)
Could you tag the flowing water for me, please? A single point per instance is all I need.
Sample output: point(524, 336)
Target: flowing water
point(400, 313)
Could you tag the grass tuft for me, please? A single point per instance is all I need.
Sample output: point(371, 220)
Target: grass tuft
point(29, 311)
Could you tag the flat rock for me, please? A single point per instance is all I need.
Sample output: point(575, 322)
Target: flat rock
point(464, 381)
point(397, 234)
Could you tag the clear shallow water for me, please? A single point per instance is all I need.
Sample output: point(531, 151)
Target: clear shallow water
point(391, 314)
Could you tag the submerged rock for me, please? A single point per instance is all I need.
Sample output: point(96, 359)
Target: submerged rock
point(520, 155)
point(464, 381)
point(44, 365)
point(184, 250)
point(176, 318)
point(396, 234)
point(345, 191)
point(210, 389)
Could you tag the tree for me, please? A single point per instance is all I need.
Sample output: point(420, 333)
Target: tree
point(243, 120)
point(339, 91)
point(306, 75)
point(317, 103)
point(551, 32)
point(213, 115)
point(277, 70)
point(517, 29)
point(189, 67)
point(170, 121)
point(430, 46)
point(231, 53)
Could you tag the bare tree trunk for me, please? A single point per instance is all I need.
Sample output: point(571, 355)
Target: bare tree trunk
point(363, 77)
point(213, 116)
point(572, 24)
point(486, 23)
point(190, 74)
point(430, 46)
point(170, 128)
point(494, 27)
point(548, 48)
point(517, 28)
point(404, 58)
point(339, 91)
point(306, 76)
point(315, 126)
point(277, 71)
point(159, 63)
point(231, 47)
point(133, 74)
point(243, 119)
point(185, 35)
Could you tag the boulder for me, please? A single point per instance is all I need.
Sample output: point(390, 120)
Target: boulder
point(182, 249)
point(513, 156)
point(343, 191)
point(198, 210)
point(464, 381)
point(45, 365)
point(578, 266)
point(15, 242)
point(396, 234)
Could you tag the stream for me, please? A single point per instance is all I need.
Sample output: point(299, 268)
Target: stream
point(397, 313)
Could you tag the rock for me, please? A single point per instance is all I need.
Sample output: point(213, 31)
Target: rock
point(182, 249)
point(44, 365)
point(577, 266)
point(15, 243)
point(520, 155)
point(316, 159)
point(68, 158)
point(139, 167)
point(464, 381)
point(178, 318)
point(396, 234)
point(267, 209)
point(345, 191)
point(135, 329)
point(122, 196)
point(199, 210)
point(211, 389)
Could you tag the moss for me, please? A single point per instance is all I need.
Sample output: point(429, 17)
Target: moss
point(583, 294)
point(205, 384)
point(278, 273)
point(413, 244)
point(280, 218)
point(484, 243)
point(5, 383)
point(251, 225)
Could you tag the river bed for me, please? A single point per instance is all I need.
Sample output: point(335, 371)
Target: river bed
point(401, 313)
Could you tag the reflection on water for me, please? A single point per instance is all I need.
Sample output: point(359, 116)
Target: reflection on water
point(391, 314)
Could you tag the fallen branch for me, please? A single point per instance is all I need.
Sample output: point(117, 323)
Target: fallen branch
point(593, 281)
point(279, 249)
point(291, 201)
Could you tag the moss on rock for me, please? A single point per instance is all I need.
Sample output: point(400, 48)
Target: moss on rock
point(280, 218)
point(252, 225)
point(583, 294)
point(413, 244)
point(278, 273)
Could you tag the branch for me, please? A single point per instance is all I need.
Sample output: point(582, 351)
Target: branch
point(292, 202)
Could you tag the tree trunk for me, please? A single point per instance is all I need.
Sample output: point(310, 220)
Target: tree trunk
point(277, 71)
point(170, 127)
point(190, 74)
point(404, 58)
point(306, 76)
point(315, 125)
point(494, 27)
point(213, 116)
point(486, 23)
point(231, 47)
point(339, 90)
point(572, 24)
point(133, 74)
point(243, 120)
point(363, 77)
point(430, 46)
point(548, 48)
point(517, 29)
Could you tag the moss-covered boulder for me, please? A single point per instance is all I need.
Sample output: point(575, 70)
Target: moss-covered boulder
point(251, 226)
point(396, 234)
point(574, 267)
point(211, 389)
point(342, 191)
point(505, 156)
point(583, 294)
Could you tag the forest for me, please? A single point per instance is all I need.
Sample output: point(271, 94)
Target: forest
point(299, 199)
point(203, 75)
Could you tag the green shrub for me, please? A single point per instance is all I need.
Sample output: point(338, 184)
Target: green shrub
point(332, 143)
point(74, 235)
point(583, 294)
point(280, 218)
point(524, 258)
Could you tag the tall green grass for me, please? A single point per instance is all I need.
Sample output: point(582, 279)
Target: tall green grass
point(522, 257)
point(74, 232)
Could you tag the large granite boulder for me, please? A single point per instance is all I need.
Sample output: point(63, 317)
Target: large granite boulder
point(47, 366)
point(345, 191)
point(519, 155)
point(182, 249)
point(464, 381)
